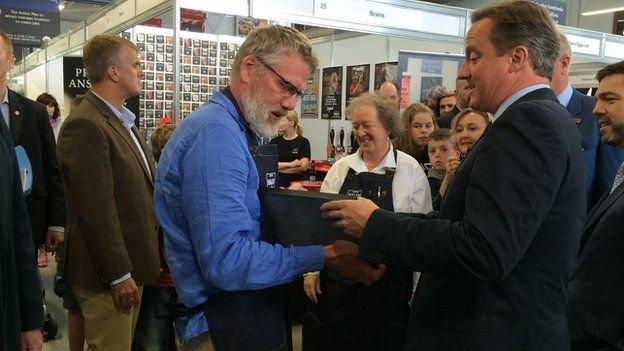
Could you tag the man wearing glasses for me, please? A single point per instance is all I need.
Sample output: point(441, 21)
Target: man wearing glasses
point(207, 202)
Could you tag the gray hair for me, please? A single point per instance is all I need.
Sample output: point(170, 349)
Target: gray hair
point(274, 42)
point(101, 52)
point(564, 45)
point(523, 23)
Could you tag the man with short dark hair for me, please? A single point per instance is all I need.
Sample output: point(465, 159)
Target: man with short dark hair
point(107, 170)
point(207, 200)
point(446, 103)
point(462, 101)
point(596, 293)
point(602, 160)
point(498, 256)
point(28, 122)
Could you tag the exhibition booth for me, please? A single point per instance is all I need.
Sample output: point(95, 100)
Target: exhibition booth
point(360, 44)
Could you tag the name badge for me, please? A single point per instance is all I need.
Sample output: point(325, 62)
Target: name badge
point(354, 192)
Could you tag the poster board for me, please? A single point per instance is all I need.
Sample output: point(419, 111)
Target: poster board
point(423, 70)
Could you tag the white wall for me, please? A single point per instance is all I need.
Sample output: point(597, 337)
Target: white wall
point(370, 49)
point(55, 84)
point(35, 82)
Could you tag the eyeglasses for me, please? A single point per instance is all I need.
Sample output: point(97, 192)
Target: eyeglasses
point(287, 87)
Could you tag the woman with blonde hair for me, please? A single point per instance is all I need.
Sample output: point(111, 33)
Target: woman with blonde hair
point(467, 127)
point(293, 150)
point(419, 122)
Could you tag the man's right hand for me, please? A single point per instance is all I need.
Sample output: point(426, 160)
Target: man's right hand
point(312, 285)
point(341, 256)
point(126, 294)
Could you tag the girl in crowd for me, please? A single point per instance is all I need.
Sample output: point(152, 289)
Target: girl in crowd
point(54, 113)
point(293, 150)
point(342, 309)
point(467, 127)
point(419, 122)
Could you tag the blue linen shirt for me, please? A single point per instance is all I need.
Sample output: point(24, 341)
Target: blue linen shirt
point(515, 97)
point(207, 203)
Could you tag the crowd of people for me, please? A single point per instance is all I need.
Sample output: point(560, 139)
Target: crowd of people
point(487, 217)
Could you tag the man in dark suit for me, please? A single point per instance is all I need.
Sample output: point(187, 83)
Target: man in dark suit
point(107, 170)
point(29, 126)
point(21, 312)
point(596, 293)
point(602, 160)
point(462, 101)
point(496, 260)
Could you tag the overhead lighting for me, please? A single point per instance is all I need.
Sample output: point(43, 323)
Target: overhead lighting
point(61, 5)
point(603, 11)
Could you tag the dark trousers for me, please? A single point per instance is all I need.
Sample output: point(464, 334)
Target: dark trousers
point(357, 317)
point(248, 320)
point(154, 329)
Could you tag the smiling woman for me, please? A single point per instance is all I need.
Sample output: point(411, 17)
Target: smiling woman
point(395, 182)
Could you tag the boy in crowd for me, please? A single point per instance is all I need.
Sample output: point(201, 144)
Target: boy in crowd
point(441, 147)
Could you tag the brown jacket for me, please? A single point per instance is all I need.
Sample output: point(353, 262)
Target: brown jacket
point(111, 222)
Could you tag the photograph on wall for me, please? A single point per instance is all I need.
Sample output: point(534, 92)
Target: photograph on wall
point(309, 100)
point(192, 20)
point(331, 102)
point(426, 83)
point(245, 24)
point(386, 71)
point(358, 81)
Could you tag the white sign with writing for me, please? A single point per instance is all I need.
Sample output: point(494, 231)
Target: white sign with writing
point(584, 45)
point(385, 15)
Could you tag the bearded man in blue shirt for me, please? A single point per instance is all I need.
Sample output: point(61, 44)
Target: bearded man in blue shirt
point(207, 202)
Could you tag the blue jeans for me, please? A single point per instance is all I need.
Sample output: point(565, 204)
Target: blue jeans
point(154, 329)
point(248, 320)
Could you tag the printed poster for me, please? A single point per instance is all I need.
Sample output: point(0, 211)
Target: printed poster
point(309, 100)
point(358, 81)
point(331, 102)
point(386, 71)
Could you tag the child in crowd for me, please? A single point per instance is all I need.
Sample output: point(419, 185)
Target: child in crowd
point(441, 148)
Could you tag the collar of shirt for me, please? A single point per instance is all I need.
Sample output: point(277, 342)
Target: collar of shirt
point(566, 95)
point(515, 97)
point(4, 106)
point(125, 115)
point(358, 165)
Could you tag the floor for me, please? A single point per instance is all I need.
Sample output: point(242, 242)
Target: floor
point(55, 306)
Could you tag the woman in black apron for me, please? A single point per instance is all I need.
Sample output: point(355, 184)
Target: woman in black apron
point(293, 150)
point(351, 316)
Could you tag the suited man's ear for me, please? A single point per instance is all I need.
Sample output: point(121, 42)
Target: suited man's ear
point(519, 58)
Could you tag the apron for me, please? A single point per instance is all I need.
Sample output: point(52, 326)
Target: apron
point(254, 319)
point(354, 316)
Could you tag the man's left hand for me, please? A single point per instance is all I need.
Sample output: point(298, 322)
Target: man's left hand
point(53, 240)
point(349, 215)
point(32, 340)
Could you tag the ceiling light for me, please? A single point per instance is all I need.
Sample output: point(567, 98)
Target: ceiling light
point(603, 11)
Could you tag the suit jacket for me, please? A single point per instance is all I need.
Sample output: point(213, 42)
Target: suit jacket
point(581, 107)
point(111, 226)
point(21, 305)
point(445, 121)
point(596, 292)
point(503, 247)
point(31, 129)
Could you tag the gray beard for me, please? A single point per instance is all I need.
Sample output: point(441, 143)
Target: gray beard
point(257, 115)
